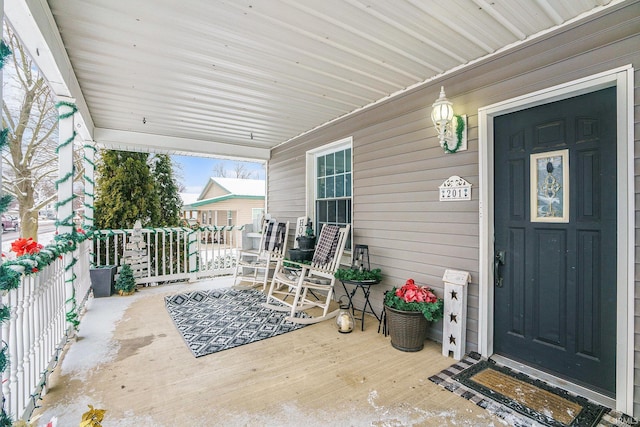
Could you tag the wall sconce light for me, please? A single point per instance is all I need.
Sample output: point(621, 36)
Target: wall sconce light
point(451, 128)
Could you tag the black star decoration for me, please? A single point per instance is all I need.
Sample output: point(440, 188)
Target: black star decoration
point(453, 318)
point(452, 340)
point(454, 295)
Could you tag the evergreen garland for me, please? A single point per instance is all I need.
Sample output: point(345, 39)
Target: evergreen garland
point(5, 51)
point(459, 130)
point(4, 359)
point(11, 271)
point(9, 279)
point(5, 201)
point(72, 315)
point(5, 419)
point(73, 107)
point(4, 138)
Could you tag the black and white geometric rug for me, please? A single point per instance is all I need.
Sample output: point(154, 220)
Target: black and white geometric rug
point(220, 319)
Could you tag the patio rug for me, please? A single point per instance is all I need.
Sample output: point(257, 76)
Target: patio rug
point(521, 400)
point(220, 319)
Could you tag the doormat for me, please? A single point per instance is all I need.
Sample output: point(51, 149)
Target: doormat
point(521, 400)
point(220, 319)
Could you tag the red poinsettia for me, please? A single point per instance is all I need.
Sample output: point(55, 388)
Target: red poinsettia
point(24, 246)
point(410, 292)
point(412, 297)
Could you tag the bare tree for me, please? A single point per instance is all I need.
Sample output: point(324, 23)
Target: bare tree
point(219, 171)
point(29, 112)
point(178, 174)
point(241, 171)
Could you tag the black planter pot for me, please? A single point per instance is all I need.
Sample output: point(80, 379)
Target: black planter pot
point(102, 280)
point(301, 255)
point(306, 243)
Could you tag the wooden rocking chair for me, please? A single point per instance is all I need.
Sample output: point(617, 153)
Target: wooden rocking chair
point(253, 266)
point(312, 285)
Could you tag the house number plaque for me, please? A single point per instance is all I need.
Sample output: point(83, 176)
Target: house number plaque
point(455, 189)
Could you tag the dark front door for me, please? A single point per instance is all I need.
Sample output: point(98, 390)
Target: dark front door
point(555, 287)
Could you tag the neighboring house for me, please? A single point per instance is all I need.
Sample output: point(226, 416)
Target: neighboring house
point(570, 93)
point(187, 199)
point(227, 201)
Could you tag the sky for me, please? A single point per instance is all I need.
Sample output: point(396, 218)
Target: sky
point(194, 172)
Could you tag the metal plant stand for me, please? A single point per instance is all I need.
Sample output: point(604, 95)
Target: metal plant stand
point(365, 285)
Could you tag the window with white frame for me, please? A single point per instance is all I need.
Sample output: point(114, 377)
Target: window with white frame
point(332, 185)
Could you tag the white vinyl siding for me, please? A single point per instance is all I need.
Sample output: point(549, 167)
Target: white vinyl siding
point(398, 163)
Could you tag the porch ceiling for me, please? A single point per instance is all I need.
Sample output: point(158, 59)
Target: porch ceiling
point(236, 78)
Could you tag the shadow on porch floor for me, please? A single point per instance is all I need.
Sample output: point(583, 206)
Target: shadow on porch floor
point(130, 360)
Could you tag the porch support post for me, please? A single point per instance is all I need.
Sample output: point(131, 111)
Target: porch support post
point(6, 397)
point(1, 108)
point(64, 222)
point(66, 136)
point(193, 250)
point(89, 183)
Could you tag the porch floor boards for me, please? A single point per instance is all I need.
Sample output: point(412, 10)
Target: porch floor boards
point(141, 371)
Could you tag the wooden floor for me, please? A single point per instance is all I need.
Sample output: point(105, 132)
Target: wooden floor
point(140, 370)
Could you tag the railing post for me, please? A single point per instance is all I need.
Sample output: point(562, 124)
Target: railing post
point(18, 360)
point(89, 184)
point(192, 248)
point(14, 393)
point(6, 338)
point(29, 359)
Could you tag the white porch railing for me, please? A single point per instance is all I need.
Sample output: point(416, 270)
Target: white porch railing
point(43, 308)
point(38, 327)
point(178, 253)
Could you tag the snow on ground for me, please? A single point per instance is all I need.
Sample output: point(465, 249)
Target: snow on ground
point(94, 345)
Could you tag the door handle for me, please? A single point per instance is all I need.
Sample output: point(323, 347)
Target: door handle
point(497, 262)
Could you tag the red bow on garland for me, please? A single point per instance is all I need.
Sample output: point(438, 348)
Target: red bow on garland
point(24, 246)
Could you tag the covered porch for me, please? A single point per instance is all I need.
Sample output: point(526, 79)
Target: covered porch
point(283, 82)
point(129, 359)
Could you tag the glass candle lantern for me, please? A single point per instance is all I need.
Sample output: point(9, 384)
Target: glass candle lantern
point(344, 320)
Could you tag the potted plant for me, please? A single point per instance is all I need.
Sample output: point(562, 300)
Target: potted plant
point(408, 310)
point(102, 280)
point(359, 276)
point(308, 240)
point(126, 283)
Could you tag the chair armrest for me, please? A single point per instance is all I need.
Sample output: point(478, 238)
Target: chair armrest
point(248, 253)
point(295, 263)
